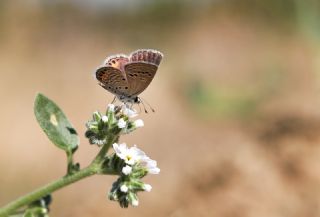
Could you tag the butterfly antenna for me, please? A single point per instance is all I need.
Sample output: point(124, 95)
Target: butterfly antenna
point(143, 100)
point(144, 107)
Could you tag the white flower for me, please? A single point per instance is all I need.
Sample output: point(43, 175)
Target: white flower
point(124, 188)
point(122, 123)
point(135, 203)
point(111, 108)
point(127, 170)
point(138, 123)
point(129, 155)
point(131, 113)
point(104, 119)
point(150, 165)
point(135, 155)
point(147, 187)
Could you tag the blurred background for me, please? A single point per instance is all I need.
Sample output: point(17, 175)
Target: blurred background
point(237, 122)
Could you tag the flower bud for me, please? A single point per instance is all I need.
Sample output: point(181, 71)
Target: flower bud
point(96, 116)
point(124, 188)
point(133, 199)
point(138, 123)
point(136, 185)
point(104, 118)
point(121, 123)
point(111, 108)
point(147, 187)
point(127, 170)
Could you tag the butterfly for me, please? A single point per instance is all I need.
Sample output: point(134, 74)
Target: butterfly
point(128, 76)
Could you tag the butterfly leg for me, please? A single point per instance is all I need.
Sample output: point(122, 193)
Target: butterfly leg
point(114, 99)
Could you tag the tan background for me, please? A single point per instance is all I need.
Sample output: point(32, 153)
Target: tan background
point(236, 128)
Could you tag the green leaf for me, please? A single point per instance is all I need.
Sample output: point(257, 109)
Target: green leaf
point(55, 124)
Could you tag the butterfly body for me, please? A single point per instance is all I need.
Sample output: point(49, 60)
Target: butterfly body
point(128, 76)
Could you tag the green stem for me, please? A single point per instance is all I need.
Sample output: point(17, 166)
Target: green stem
point(70, 163)
point(47, 189)
point(103, 151)
point(94, 168)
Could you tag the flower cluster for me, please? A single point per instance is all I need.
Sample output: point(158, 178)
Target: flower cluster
point(133, 165)
point(116, 120)
point(130, 164)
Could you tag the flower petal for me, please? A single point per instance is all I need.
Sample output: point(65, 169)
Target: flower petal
point(147, 187)
point(121, 123)
point(124, 188)
point(131, 113)
point(127, 170)
point(111, 107)
point(104, 119)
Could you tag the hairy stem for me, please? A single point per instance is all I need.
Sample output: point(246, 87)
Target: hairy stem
point(94, 168)
point(70, 163)
point(47, 189)
point(103, 151)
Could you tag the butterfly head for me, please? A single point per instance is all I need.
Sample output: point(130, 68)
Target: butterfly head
point(129, 99)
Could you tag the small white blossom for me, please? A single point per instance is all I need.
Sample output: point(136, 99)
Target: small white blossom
point(122, 123)
point(135, 155)
point(131, 113)
point(111, 108)
point(138, 123)
point(150, 165)
point(127, 170)
point(104, 119)
point(135, 203)
point(147, 187)
point(124, 188)
point(129, 155)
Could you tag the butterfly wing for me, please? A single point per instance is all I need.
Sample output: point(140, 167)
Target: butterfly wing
point(112, 76)
point(140, 70)
point(113, 80)
point(139, 76)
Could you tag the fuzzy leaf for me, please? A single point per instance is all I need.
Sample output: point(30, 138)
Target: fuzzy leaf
point(55, 124)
